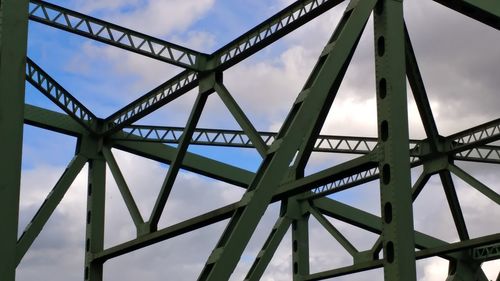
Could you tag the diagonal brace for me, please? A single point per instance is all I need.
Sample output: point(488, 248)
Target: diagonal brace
point(49, 205)
point(58, 95)
point(115, 35)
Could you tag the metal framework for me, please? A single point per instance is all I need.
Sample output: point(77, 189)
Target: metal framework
point(387, 158)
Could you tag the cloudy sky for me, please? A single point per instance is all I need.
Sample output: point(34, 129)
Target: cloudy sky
point(459, 62)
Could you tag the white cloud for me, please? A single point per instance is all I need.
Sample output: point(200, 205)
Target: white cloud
point(157, 18)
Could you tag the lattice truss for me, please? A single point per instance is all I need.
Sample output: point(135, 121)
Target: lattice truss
point(386, 158)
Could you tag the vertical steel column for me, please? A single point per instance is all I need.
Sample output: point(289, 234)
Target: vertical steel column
point(96, 194)
point(13, 37)
point(300, 247)
point(395, 183)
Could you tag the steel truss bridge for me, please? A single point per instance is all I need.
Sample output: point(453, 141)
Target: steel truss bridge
point(387, 158)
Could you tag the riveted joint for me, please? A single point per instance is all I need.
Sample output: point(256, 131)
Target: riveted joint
point(246, 198)
point(208, 81)
point(437, 164)
point(275, 146)
point(90, 146)
point(328, 48)
point(215, 255)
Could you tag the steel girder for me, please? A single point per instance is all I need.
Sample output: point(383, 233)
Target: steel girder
point(13, 36)
point(280, 177)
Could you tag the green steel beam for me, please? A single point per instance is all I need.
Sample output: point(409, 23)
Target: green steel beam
point(482, 154)
point(58, 95)
point(53, 121)
point(114, 35)
point(248, 129)
point(13, 37)
point(485, 11)
point(49, 205)
point(459, 246)
point(422, 254)
point(195, 163)
point(238, 138)
point(474, 137)
point(175, 230)
point(420, 94)
point(369, 222)
point(358, 267)
point(96, 196)
point(285, 21)
point(465, 270)
point(192, 162)
point(419, 185)
point(304, 114)
point(325, 143)
point(151, 101)
point(329, 207)
point(132, 208)
point(268, 249)
point(272, 29)
point(486, 253)
point(456, 210)
point(392, 117)
point(343, 241)
point(479, 186)
point(175, 164)
point(300, 236)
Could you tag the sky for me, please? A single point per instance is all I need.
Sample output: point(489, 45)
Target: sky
point(458, 58)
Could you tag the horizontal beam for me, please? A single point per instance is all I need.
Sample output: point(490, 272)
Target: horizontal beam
point(474, 137)
point(269, 31)
point(367, 221)
point(192, 162)
point(114, 35)
point(168, 232)
point(470, 244)
point(367, 265)
point(487, 253)
point(325, 143)
point(51, 120)
point(327, 176)
point(358, 267)
point(482, 154)
point(58, 95)
point(151, 101)
point(485, 11)
point(238, 138)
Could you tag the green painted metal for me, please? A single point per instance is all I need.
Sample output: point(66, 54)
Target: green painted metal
point(241, 118)
point(418, 89)
point(57, 94)
point(486, 253)
point(487, 12)
point(113, 34)
point(49, 205)
point(315, 94)
point(175, 165)
point(96, 196)
point(123, 187)
point(479, 186)
point(456, 210)
point(269, 248)
point(334, 232)
point(13, 36)
point(395, 179)
point(285, 154)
